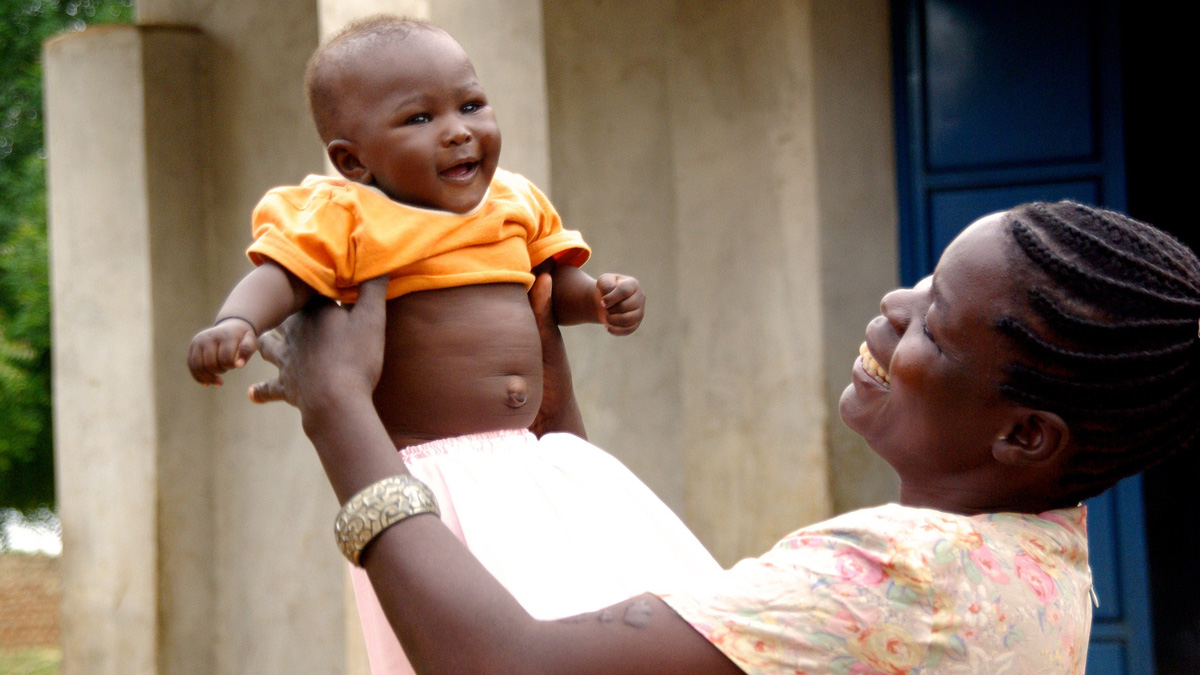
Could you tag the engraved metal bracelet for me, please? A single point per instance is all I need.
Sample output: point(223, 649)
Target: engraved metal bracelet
point(378, 506)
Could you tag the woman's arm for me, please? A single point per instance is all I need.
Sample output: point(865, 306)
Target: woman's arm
point(560, 409)
point(451, 615)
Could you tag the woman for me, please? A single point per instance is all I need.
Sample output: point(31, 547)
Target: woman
point(1055, 350)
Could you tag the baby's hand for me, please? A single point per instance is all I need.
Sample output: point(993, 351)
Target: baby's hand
point(622, 303)
point(228, 344)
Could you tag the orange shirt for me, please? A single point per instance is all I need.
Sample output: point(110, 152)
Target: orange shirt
point(335, 234)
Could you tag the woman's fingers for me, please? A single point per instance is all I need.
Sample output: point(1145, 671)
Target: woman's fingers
point(270, 345)
point(266, 392)
point(322, 340)
point(539, 301)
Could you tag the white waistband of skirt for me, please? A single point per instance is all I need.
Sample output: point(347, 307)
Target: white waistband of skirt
point(484, 441)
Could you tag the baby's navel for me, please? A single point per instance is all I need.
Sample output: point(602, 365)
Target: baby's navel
point(517, 392)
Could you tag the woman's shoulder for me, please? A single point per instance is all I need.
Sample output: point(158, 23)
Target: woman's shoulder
point(882, 527)
point(921, 545)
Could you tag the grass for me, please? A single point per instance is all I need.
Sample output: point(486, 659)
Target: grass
point(30, 661)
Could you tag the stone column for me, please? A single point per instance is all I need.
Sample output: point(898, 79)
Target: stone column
point(737, 158)
point(750, 272)
point(684, 148)
point(134, 453)
point(856, 178)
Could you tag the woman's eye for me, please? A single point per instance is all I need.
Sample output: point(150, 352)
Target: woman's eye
point(925, 330)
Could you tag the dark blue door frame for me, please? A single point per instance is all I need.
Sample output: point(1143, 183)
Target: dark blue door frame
point(999, 103)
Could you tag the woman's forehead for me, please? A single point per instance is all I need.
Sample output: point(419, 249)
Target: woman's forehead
point(977, 278)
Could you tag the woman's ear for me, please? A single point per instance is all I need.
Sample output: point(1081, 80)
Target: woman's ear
point(344, 156)
point(1033, 437)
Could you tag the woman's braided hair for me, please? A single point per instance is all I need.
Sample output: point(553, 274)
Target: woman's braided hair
point(1111, 342)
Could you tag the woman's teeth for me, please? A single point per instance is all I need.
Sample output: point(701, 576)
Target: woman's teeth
point(872, 366)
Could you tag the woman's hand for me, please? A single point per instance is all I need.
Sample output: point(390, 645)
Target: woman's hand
point(329, 359)
point(560, 410)
point(328, 355)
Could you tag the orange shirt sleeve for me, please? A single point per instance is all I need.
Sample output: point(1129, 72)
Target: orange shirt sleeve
point(309, 230)
point(548, 238)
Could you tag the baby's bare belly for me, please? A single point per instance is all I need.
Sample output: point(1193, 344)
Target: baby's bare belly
point(458, 361)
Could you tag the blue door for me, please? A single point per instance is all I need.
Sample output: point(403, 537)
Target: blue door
point(999, 103)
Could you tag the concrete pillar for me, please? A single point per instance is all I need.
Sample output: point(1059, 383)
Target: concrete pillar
point(684, 148)
point(134, 461)
point(737, 158)
point(614, 179)
point(856, 198)
point(750, 272)
point(196, 525)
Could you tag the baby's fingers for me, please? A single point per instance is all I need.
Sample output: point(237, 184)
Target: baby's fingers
point(625, 322)
point(617, 288)
point(232, 350)
point(202, 362)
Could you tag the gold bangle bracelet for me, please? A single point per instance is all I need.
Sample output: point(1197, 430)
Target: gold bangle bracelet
point(377, 507)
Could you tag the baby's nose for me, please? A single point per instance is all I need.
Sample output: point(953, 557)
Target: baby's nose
point(457, 134)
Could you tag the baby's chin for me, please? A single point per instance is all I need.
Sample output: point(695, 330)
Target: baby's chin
point(465, 205)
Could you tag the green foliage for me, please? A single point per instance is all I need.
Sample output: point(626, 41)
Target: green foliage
point(26, 440)
point(31, 661)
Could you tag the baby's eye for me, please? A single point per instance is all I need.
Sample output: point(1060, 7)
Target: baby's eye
point(419, 118)
point(473, 107)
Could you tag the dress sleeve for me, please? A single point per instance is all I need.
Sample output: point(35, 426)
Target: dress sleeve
point(814, 604)
point(309, 231)
point(549, 239)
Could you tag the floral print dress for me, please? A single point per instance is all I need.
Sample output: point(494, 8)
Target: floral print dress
point(895, 590)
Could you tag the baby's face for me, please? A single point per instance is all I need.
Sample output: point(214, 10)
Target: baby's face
point(421, 122)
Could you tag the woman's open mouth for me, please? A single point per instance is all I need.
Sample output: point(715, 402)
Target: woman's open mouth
point(873, 367)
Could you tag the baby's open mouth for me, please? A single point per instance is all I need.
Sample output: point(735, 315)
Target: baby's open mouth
point(873, 368)
point(460, 170)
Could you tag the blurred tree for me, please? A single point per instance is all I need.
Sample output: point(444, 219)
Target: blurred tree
point(26, 434)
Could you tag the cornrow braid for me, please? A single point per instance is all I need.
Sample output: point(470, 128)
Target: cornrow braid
point(1110, 342)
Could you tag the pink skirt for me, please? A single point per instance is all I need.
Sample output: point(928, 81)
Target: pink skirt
point(563, 525)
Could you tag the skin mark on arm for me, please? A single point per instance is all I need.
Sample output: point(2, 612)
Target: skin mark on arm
point(638, 614)
point(603, 616)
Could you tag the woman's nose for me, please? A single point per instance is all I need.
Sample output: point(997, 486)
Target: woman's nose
point(899, 307)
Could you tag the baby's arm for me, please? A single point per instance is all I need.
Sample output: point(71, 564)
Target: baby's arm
point(260, 302)
point(614, 300)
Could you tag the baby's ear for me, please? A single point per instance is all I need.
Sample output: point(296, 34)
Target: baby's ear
point(344, 156)
point(1033, 437)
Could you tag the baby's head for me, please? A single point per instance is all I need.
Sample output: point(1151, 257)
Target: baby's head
point(399, 107)
point(1109, 339)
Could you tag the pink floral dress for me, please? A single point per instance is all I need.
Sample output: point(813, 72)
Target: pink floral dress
point(895, 590)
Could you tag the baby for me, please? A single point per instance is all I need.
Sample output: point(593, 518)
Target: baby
point(421, 200)
point(407, 124)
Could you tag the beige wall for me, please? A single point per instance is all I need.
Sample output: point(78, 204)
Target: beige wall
point(737, 158)
point(734, 156)
point(857, 200)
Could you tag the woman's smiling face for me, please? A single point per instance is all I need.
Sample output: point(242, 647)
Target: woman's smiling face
point(926, 396)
